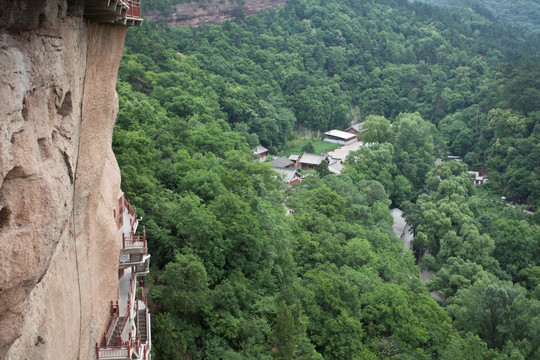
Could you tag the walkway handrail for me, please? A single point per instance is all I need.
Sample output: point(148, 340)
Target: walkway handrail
point(144, 299)
point(147, 315)
point(134, 9)
point(132, 289)
point(115, 313)
point(134, 241)
point(123, 324)
point(138, 343)
point(125, 204)
point(120, 352)
point(137, 314)
point(148, 331)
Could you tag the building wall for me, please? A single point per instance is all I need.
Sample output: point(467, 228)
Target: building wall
point(341, 142)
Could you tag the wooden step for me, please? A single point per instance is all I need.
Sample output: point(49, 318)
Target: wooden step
point(113, 341)
point(142, 325)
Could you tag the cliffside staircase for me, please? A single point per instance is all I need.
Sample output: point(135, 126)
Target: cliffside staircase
point(116, 336)
point(120, 12)
point(142, 326)
point(128, 337)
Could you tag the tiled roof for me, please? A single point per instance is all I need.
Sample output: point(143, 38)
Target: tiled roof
point(294, 157)
point(340, 134)
point(335, 167)
point(287, 175)
point(259, 150)
point(281, 162)
point(312, 159)
point(342, 152)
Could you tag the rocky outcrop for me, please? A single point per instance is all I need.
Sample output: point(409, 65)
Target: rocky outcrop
point(59, 180)
point(212, 12)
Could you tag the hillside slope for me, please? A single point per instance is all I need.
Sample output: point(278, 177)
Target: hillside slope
point(524, 14)
point(235, 277)
point(198, 13)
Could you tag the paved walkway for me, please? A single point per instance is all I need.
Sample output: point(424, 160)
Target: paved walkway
point(427, 275)
point(402, 230)
point(342, 152)
point(123, 288)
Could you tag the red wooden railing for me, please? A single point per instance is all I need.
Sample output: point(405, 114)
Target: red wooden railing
point(134, 9)
point(136, 343)
point(123, 324)
point(115, 313)
point(125, 205)
point(120, 352)
point(132, 223)
point(137, 314)
point(145, 351)
point(134, 241)
point(144, 299)
point(132, 212)
point(121, 349)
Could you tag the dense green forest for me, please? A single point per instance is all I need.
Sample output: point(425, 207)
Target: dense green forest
point(237, 278)
point(524, 14)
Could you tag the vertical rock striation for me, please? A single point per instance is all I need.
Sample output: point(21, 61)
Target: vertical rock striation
point(59, 180)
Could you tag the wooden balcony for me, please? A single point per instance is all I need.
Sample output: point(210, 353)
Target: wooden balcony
point(130, 260)
point(139, 262)
point(126, 216)
point(122, 341)
point(129, 350)
point(113, 352)
point(134, 11)
point(120, 12)
point(134, 243)
point(144, 268)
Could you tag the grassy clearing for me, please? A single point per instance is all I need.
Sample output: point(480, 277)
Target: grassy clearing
point(319, 145)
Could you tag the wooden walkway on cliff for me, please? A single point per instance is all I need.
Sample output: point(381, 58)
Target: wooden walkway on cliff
point(120, 12)
point(128, 334)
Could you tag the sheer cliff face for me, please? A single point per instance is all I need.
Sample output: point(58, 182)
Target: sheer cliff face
point(216, 12)
point(59, 180)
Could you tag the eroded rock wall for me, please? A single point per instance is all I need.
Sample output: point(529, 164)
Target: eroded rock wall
point(59, 180)
point(212, 12)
